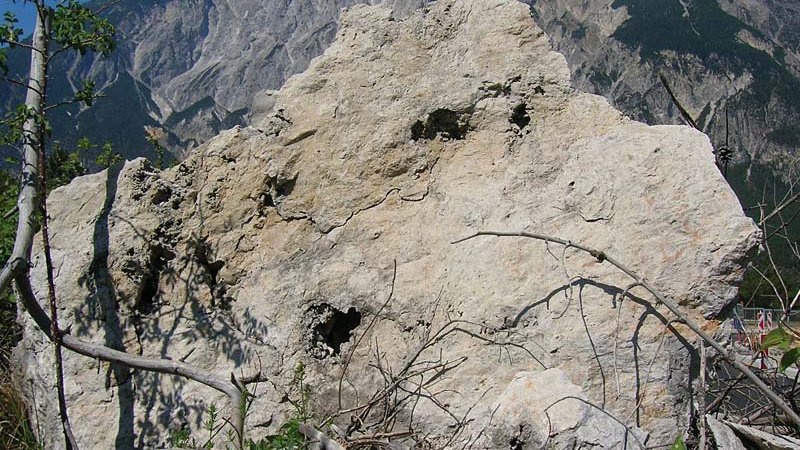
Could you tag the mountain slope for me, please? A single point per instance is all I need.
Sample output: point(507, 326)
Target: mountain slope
point(192, 66)
point(714, 60)
point(195, 66)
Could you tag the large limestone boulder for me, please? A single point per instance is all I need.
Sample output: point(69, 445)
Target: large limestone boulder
point(322, 236)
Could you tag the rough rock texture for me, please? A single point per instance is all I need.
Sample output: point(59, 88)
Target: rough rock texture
point(548, 411)
point(276, 245)
point(734, 55)
point(724, 437)
point(761, 439)
point(178, 60)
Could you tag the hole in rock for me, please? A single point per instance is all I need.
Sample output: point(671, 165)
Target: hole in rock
point(519, 116)
point(213, 270)
point(268, 201)
point(442, 122)
point(285, 187)
point(333, 329)
point(516, 443)
point(213, 267)
point(147, 301)
point(161, 195)
point(275, 190)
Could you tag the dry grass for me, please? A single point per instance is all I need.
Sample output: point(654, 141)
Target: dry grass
point(16, 432)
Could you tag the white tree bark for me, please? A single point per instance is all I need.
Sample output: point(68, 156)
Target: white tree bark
point(19, 263)
point(17, 268)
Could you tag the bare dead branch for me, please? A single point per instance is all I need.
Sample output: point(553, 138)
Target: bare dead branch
point(366, 331)
point(685, 114)
point(660, 298)
point(314, 435)
point(71, 444)
point(10, 212)
point(783, 205)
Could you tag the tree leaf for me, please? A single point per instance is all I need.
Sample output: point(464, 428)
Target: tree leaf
point(679, 444)
point(789, 358)
point(777, 338)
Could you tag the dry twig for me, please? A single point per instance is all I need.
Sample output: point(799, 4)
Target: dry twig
point(660, 298)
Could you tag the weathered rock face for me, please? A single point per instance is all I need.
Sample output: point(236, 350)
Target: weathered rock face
point(730, 57)
point(276, 245)
point(177, 62)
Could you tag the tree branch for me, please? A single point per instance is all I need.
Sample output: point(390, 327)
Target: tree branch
point(41, 40)
point(780, 208)
point(22, 45)
point(10, 212)
point(105, 7)
point(603, 257)
point(16, 82)
point(48, 108)
point(18, 266)
point(684, 113)
point(230, 387)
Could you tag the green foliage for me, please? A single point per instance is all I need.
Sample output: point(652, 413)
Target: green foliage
point(788, 359)
point(182, 438)
point(9, 189)
point(679, 444)
point(9, 330)
point(62, 167)
point(86, 94)
point(16, 432)
point(212, 425)
point(289, 436)
point(777, 338)
point(76, 27)
point(783, 340)
point(73, 27)
point(84, 144)
point(154, 135)
point(11, 126)
point(4, 60)
point(9, 35)
point(108, 157)
point(303, 405)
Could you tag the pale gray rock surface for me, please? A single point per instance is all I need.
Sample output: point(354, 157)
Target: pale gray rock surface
point(734, 55)
point(763, 440)
point(178, 61)
point(545, 410)
point(190, 67)
point(275, 245)
point(724, 437)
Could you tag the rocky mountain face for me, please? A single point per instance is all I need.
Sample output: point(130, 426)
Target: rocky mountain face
point(733, 63)
point(190, 67)
point(194, 67)
point(324, 235)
